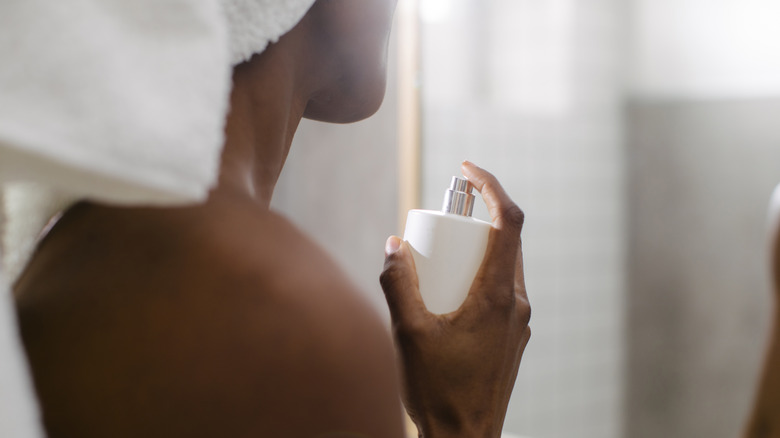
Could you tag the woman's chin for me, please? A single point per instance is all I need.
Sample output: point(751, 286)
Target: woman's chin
point(353, 106)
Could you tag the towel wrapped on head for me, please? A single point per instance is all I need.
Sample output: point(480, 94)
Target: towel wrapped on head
point(116, 101)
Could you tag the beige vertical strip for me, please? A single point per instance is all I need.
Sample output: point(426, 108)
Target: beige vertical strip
point(409, 135)
point(409, 119)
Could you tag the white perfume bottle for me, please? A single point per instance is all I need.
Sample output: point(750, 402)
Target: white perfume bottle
point(448, 247)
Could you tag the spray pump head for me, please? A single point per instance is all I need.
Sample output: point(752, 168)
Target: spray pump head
point(458, 198)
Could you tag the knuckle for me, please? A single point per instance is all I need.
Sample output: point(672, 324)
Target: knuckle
point(513, 215)
point(388, 277)
point(523, 308)
point(384, 279)
point(489, 177)
point(391, 271)
point(491, 184)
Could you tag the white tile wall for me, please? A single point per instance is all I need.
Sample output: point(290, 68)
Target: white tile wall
point(559, 153)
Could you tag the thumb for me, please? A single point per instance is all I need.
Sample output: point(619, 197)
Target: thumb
point(399, 281)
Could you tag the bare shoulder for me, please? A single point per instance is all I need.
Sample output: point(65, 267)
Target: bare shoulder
point(226, 322)
point(328, 352)
point(272, 262)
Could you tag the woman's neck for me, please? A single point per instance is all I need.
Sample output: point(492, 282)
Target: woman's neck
point(266, 105)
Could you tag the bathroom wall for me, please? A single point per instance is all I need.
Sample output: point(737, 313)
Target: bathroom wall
point(703, 158)
point(531, 91)
point(701, 173)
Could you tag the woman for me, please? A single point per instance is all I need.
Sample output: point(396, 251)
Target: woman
point(764, 420)
point(223, 319)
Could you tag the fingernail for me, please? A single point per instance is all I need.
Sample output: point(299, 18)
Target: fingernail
point(467, 163)
point(392, 245)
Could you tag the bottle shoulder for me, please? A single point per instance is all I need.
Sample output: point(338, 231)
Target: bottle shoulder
point(441, 216)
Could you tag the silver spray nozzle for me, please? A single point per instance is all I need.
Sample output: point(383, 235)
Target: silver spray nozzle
point(458, 198)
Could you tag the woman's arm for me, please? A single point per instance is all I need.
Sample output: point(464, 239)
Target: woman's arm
point(764, 420)
point(459, 369)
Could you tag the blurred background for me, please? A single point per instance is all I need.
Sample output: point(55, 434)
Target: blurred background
point(642, 139)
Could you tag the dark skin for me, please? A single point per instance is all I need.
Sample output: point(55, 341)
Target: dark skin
point(210, 333)
point(223, 319)
point(493, 320)
point(764, 421)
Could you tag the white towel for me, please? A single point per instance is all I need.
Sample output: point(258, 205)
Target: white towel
point(117, 101)
point(255, 23)
point(131, 93)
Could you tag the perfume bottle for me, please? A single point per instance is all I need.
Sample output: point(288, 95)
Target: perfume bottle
point(448, 247)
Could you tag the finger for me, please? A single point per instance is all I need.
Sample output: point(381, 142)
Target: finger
point(504, 213)
point(503, 258)
point(399, 282)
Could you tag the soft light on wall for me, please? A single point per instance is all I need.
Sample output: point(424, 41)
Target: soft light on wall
point(530, 72)
point(706, 48)
point(516, 54)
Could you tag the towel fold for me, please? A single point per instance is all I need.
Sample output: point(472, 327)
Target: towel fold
point(113, 100)
point(253, 24)
point(116, 101)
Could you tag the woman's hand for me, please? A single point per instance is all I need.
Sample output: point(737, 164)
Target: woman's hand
point(459, 369)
